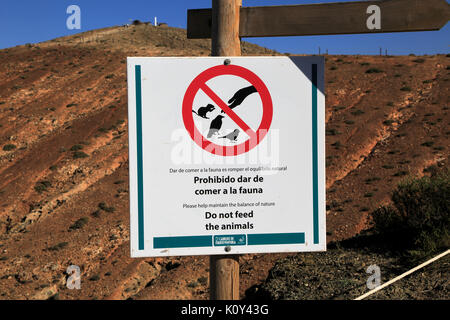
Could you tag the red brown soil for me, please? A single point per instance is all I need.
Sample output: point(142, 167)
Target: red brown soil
point(71, 93)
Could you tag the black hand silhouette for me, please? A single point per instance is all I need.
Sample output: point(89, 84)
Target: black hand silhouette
point(240, 96)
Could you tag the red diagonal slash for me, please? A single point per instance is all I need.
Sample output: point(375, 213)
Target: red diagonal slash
point(199, 83)
point(222, 105)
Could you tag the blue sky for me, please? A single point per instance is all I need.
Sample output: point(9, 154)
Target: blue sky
point(31, 21)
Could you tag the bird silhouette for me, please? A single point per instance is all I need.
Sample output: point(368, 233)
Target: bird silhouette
point(202, 111)
point(215, 126)
point(231, 136)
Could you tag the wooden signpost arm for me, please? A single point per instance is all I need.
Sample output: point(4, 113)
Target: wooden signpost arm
point(344, 18)
point(224, 269)
point(374, 16)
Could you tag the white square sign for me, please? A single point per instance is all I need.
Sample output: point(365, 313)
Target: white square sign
point(227, 156)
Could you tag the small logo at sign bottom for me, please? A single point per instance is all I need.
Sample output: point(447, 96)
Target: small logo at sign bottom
point(230, 240)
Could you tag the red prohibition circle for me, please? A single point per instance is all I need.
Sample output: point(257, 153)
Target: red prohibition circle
point(199, 83)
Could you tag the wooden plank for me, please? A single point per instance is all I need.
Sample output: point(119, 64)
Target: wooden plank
point(199, 23)
point(224, 269)
point(331, 18)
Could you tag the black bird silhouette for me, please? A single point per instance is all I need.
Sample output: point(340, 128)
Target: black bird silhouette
point(231, 136)
point(215, 126)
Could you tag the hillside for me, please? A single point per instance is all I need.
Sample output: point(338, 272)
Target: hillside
point(64, 159)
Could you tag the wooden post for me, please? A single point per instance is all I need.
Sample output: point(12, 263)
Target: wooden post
point(224, 277)
point(225, 28)
point(224, 269)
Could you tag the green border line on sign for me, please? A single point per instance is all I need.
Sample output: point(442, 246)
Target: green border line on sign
point(182, 242)
point(139, 157)
point(276, 238)
point(206, 241)
point(315, 156)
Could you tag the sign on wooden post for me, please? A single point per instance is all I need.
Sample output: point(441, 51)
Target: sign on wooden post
point(226, 159)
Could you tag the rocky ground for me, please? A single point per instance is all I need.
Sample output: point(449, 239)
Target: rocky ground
point(343, 272)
